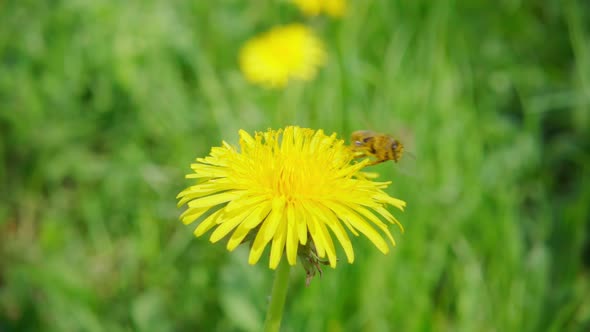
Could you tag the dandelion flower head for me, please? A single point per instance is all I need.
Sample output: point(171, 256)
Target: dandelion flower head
point(334, 8)
point(283, 53)
point(287, 188)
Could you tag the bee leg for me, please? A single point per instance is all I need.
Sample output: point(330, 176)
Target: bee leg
point(360, 151)
point(360, 154)
point(376, 162)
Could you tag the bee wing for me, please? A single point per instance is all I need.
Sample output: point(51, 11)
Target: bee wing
point(407, 165)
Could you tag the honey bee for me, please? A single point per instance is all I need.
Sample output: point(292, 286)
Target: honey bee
point(380, 146)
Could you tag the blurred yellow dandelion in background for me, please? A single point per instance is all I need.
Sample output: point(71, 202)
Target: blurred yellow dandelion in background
point(283, 53)
point(288, 188)
point(334, 8)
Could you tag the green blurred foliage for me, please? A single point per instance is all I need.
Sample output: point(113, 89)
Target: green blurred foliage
point(104, 104)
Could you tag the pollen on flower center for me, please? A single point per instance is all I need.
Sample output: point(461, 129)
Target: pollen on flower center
point(296, 169)
point(286, 184)
point(293, 182)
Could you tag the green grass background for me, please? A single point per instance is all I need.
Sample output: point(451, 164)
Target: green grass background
point(104, 104)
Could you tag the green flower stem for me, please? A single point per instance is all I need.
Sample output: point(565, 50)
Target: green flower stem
point(277, 298)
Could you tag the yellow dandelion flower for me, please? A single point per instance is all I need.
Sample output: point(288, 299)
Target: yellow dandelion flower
point(283, 53)
point(334, 8)
point(294, 188)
